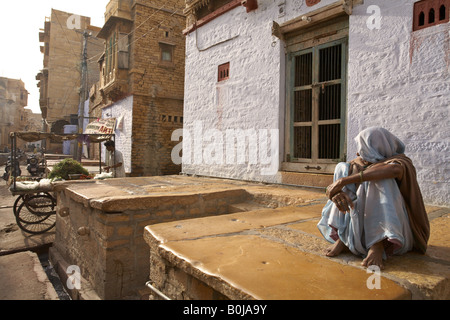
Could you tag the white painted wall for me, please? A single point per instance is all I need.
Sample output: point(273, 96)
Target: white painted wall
point(397, 79)
point(69, 146)
point(253, 97)
point(124, 135)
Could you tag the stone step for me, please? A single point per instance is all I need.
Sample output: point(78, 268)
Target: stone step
point(306, 179)
point(245, 206)
point(277, 254)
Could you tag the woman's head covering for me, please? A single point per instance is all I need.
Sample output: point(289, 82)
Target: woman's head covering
point(376, 144)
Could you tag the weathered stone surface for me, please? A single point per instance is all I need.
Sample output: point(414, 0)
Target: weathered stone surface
point(230, 223)
point(278, 254)
point(113, 256)
point(266, 269)
point(308, 179)
point(427, 276)
point(273, 240)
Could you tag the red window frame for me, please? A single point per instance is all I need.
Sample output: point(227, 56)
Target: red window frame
point(223, 72)
point(429, 13)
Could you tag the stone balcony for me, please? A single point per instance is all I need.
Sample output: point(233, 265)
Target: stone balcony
point(119, 8)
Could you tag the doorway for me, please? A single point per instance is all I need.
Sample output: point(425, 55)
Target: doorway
point(316, 101)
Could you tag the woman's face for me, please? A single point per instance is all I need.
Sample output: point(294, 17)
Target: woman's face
point(364, 161)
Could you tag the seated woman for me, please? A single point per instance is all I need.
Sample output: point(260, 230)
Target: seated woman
point(376, 207)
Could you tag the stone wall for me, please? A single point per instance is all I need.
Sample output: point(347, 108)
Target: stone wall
point(13, 116)
point(400, 80)
point(253, 97)
point(64, 66)
point(157, 86)
point(123, 140)
point(175, 282)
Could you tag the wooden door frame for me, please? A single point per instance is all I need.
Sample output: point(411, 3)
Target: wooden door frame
point(330, 32)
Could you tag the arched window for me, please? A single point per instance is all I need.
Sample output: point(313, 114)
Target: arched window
point(431, 16)
point(421, 19)
point(442, 13)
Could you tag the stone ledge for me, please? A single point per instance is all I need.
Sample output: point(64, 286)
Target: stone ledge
point(306, 179)
point(118, 195)
point(277, 254)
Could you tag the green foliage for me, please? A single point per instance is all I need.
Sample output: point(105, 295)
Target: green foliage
point(66, 167)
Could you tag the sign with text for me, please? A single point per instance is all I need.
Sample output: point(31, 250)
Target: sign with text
point(101, 126)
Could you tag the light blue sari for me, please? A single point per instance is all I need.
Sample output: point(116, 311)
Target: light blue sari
point(379, 212)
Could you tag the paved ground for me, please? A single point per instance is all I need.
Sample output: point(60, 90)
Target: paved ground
point(24, 269)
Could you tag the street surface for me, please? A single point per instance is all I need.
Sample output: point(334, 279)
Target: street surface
point(22, 255)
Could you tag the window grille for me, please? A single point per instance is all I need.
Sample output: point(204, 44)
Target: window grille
point(224, 72)
point(429, 13)
point(317, 101)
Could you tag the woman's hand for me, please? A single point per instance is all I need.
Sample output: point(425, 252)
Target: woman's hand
point(339, 198)
point(334, 188)
point(343, 202)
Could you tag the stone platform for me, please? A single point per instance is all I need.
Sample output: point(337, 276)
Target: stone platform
point(205, 238)
point(276, 253)
point(100, 224)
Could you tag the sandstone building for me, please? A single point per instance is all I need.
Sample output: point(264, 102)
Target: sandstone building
point(142, 81)
point(60, 79)
point(13, 115)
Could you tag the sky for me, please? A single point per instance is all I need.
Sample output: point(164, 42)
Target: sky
point(20, 21)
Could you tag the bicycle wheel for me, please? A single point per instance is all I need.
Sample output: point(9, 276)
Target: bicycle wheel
point(41, 204)
point(16, 204)
point(32, 223)
point(26, 197)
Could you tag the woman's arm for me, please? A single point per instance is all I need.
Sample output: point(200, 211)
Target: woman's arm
point(375, 172)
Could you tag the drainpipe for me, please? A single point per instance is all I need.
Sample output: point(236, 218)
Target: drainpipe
point(159, 293)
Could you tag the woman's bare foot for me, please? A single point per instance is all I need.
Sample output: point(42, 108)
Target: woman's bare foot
point(375, 256)
point(335, 249)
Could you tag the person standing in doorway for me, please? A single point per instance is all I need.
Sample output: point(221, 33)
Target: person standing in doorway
point(114, 161)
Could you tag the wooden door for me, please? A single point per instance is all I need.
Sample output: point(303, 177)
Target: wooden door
point(317, 107)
